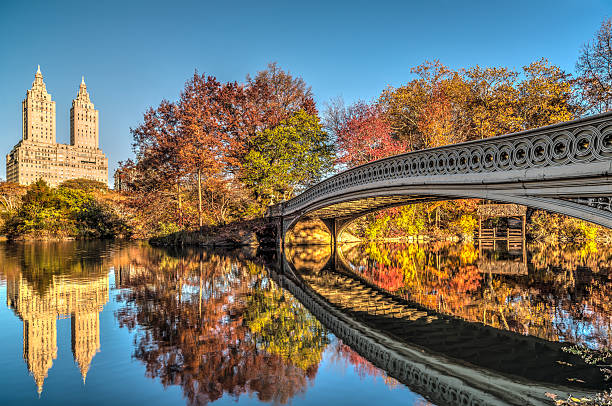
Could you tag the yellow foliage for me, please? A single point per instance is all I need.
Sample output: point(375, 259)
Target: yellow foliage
point(444, 106)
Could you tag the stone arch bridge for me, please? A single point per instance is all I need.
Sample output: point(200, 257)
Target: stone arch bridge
point(564, 168)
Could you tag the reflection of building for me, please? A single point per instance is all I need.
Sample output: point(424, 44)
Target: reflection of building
point(80, 298)
point(38, 156)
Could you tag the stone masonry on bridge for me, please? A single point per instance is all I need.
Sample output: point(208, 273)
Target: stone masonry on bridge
point(38, 156)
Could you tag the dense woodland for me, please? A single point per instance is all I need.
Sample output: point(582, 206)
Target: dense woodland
point(227, 150)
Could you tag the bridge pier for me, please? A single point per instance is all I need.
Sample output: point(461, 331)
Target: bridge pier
point(336, 226)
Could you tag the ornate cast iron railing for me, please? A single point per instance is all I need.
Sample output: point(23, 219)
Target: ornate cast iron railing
point(576, 142)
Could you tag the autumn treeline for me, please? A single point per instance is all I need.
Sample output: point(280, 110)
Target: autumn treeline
point(224, 151)
point(443, 106)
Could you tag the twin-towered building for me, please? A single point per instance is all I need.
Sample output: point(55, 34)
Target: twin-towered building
point(38, 156)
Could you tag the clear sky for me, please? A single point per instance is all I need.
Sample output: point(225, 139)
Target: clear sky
point(135, 53)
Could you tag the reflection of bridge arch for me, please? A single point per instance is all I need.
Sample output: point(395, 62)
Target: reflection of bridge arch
point(444, 377)
point(564, 168)
point(508, 266)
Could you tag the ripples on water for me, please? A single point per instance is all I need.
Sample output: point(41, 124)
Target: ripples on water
point(125, 323)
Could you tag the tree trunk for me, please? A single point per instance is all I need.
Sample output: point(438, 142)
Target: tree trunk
point(200, 291)
point(180, 204)
point(200, 197)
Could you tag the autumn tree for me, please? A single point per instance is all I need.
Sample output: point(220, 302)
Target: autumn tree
point(442, 106)
point(10, 196)
point(203, 143)
point(275, 95)
point(594, 68)
point(545, 96)
point(429, 110)
point(158, 172)
point(491, 102)
point(363, 133)
point(10, 200)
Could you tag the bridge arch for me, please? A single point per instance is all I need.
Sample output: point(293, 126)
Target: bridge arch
point(564, 168)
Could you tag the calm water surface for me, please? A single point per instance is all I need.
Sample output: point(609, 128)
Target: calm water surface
point(125, 323)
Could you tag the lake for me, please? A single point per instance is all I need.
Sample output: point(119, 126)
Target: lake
point(430, 324)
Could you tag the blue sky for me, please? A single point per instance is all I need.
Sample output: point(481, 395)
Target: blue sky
point(135, 53)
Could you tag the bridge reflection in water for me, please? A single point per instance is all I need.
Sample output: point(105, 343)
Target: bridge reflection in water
point(439, 347)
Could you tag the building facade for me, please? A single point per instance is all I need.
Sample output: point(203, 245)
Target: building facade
point(39, 156)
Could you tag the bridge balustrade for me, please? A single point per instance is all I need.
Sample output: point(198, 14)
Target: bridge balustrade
point(542, 168)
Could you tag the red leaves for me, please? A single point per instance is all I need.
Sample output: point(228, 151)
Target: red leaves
point(390, 278)
point(364, 135)
point(194, 150)
point(203, 142)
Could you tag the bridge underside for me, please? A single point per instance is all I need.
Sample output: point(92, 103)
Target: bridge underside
point(591, 204)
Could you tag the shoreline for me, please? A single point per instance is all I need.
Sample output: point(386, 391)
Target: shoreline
point(260, 233)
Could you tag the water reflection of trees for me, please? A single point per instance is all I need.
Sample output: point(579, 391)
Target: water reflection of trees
point(209, 323)
point(564, 296)
point(217, 325)
point(40, 262)
point(344, 355)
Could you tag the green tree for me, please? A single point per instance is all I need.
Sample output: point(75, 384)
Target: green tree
point(38, 211)
point(63, 212)
point(288, 158)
